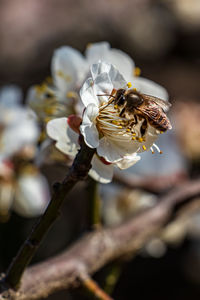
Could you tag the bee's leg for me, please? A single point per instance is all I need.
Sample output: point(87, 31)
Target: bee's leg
point(122, 112)
point(143, 128)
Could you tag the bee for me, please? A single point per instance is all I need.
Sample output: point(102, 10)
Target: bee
point(134, 105)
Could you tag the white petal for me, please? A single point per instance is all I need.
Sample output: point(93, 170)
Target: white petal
point(66, 139)
point(87, 93)
point(20, 130)
point(114, 77)
point(102, 86)
point(114, 152)
point(122, 62)
point(32, 195)
point(149, 87)
point(128, 161)
point(69, 68)
point(99, 68)
point(101, 172)
point(96, 52)
point(88, 127)
point(102, 51)
point(10, 95)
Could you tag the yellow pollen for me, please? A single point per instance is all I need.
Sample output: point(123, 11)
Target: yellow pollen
point(128, 130)
point(89, 45)
point(60, 73)
point(161, 132)
point(120, 127)
point(133, 138)
point(64, 76)
point(129, 85)
point(144, 148)
point(137, 71)
point(50, 110)
point(116, 106)
point(135, 90)
point(40, 88)
point(71, 94)
point(140, 140)
point(133, 133)
point(49, 80)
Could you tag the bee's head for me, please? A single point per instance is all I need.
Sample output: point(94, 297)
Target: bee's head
point(134, 99)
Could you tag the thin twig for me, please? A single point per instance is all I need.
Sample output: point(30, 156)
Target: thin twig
point(94, 289)
point(94, 204)
point(78, 171)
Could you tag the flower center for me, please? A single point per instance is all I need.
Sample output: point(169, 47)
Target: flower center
point(117, 128)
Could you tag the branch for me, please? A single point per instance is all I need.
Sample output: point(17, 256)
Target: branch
point(96, 249)
point(78, 171)
point(153, 184)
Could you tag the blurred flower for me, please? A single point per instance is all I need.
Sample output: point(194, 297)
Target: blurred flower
point(59, 96)
point(102, 127)
point(18, 127)
point(22, 187)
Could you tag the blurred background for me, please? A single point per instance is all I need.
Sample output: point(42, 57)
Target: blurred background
point(163, 38)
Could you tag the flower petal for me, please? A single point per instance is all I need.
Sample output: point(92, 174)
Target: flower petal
point(69, 68)
point(149, 87)
point(102, 51)
point(87, 93)
point(101, 172)
point(66, 139)
point(88, 127)
point(32, 195)
point(128, 161)
point(10, 95)
point(114, 152)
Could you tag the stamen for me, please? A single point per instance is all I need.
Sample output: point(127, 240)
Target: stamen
point(137, 71)
point(157, 148)
point(129, 85)
point(140, 139)
point(152, 151)
point(144, 147)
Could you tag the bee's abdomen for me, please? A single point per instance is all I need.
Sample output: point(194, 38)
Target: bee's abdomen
point(161, 123)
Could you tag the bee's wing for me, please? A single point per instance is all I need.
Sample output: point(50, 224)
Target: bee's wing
point(155, 112)
point(165, 105)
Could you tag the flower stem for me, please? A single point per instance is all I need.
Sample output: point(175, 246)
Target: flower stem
point(78, 171)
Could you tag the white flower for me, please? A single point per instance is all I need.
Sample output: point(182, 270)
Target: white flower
point(26, 192)
point(18, 128)
point(67, 141)
point(116, 139)
point(60, 96)
point(103, 128)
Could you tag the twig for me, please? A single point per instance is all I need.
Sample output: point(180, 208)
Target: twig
point(100, 247)
point(93, 288)
point(94, 204)
point(112, 277)
point(78, 171)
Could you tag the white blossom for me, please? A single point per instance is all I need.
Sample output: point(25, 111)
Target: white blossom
point(103, 128)
point(59, 96)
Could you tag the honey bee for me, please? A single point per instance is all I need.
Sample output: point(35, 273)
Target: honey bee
point(134, 105)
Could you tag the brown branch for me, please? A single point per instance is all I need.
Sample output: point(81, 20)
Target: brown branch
point(100, 247)
point(153, 184)
point(78, 171)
